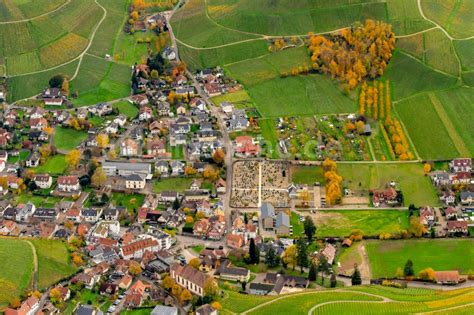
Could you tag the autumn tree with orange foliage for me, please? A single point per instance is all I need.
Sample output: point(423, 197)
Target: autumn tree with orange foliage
point(354, 54)
point(376, 101)
point(333, 182)
point(381, 102)
point(362, 99)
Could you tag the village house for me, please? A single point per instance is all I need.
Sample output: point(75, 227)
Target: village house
point(33, 159)
point(128, 147)
point(139, 99)
point(246, 147)
point(112, 128)
point(386, 196)
point(68, 184)
point(46, 214)
point(145, 113)
point(457, 227)
point(461, 165)
point(167, 196)
point(120, 120)
point(73, 214)
point(123, 168)
point(135, 181)
point(228, 272)
point(7, 227)
point(38, 123)
point(136, 249)
point(467, 198)
point(164, 109)
point(91, 215)
point(162, 167)
point(448, 197)
point(427, 216)
point(189, 278)
point(24, 212)
point(187, 90)
point(101, 109)
point(451, 213)
point(447, 277)
point(156, 147)
point(28, 307)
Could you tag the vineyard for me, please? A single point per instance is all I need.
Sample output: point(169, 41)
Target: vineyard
point(355, 300)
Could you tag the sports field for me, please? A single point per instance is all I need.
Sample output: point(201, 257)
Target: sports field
point(440, 254)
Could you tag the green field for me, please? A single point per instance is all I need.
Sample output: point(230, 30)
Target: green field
point(445, 130)
point(415, 186)
point(55, 165)
point(67, 138)
point(307, 175)
point(59, 38)
point(405, 17)
point(127, 109)
point(444, 254)
point(173, 183)
point(454, 16)
point(53, 262)
point(26, 9)
point(370, 222)
point(16, 272)
point(131, 202)
point(290, 18)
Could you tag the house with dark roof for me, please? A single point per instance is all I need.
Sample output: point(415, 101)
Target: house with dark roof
point(189, 278)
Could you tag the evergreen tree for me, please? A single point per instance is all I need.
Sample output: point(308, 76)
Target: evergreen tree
point(312, 273)
point(246, 219)
point(333, 280)
point(302, 254)
point(356, 279)
point(176, 204)
point(254, 252)
point(271, 258)
point(408, 270)
point(309, 228)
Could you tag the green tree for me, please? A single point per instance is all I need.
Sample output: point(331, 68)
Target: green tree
point(356, 278)
point(271, 258)
point(333, 280)
point(309, 228)
point(408, 271)
point(302, 256)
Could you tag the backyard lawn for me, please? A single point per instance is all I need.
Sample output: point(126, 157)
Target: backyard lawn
point(442, 254)
point(127, 109)
point(55, 165)
point(131, 202)
point(174, 183)
point(307, 175)
point(67, 138)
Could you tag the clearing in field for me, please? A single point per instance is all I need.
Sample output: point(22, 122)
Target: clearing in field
point(440, 254)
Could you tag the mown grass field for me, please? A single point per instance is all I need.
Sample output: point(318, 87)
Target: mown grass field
point(68, 138)
point(130, 202)
point(415, 186)
point(442, 254)
point(370, 222)
point(16, 272)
